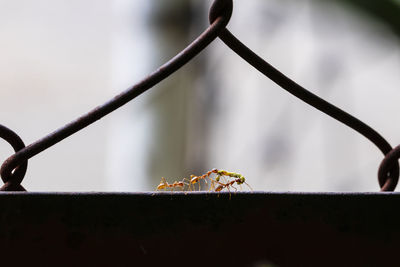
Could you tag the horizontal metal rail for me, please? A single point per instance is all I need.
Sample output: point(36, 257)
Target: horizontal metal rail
point(200, 229)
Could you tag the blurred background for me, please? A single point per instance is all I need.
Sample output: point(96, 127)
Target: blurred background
point(59, 59)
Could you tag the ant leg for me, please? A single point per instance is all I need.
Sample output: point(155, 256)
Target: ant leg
point(234, 187)
point(230, 195)
point(216, 185)
point(199, 185)
point(192, 181)
point(241, 187)
point(205, 179)
point(194, 185)
point(251, 189)
point(185, 183)
point(212, 185)
point(225, 181)
point(235, 190)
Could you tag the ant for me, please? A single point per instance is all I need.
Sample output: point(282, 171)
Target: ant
point(195, 179)
point(239, 179)
point(164, 184)
point(219, 173)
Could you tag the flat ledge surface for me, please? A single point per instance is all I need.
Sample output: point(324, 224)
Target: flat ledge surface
point(200, 228)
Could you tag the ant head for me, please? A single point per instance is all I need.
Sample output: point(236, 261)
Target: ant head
point(241, 180)
point(161, 186)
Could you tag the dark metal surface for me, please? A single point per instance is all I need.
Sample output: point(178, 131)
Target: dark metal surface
point(221, 10)
point(388, 165)
point(200, 229)
point(17, 144)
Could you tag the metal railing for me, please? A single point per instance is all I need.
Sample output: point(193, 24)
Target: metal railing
point(14, 168)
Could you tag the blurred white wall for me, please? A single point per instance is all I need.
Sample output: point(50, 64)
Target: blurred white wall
point(55, 64)
point(129, 131)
